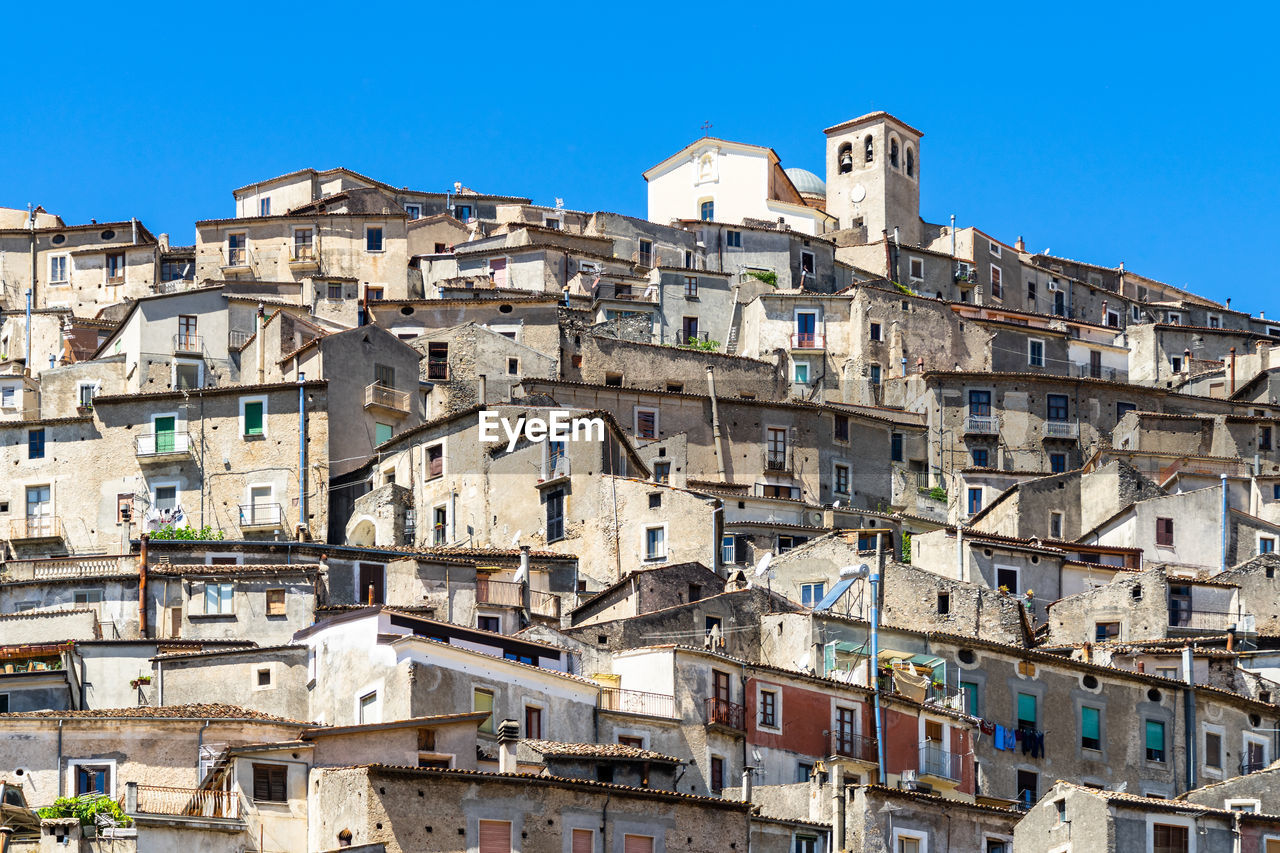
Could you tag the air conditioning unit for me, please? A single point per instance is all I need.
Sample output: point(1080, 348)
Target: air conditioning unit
point(589, 266)
point(1053, 287)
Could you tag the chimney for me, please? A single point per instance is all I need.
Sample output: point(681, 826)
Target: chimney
point(1186, 361)
point(482, 389)
point(508, 738)
point(1019, 244)
point(1231, 638)
point(1228, 303)
point(1088, 652)
point(1264, 355)
point(1104, 312)
point(747, 773)
point(1142, 667)
point(164, 242)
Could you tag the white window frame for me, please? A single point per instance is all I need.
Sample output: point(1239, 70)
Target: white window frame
point(1110, 314)
point(211, 555)
point(1272, 537)
point(798, 363)
point(776, 690)
point(173, 370)
point(381, 228)
point(66, 269)
point(1213, 321)
point(83, 384)
point(248, 493)
point(1031, 342)
point(264, 205)
point(374, 690)
point(912, 261)
point(1230, 804)
point(1061, 518)
point(1247, 738)
point(155, 485)
point(1173, 318)
point(635, 422)
point(270, 667)
point(910, 835)
point(124, 267)
point(14, 391)
point(260, 398)
point(244, 249)
point(1205, 730)
point(812, 584)
point(109, 763)
point(644, 543)
point(994, 248)
point(413, 210)
point(204, 598)
point(996, 279)
point(836, 465)
point(996, 568)
point(1171, 820)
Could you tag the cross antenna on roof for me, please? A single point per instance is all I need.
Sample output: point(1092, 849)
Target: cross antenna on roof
point(706, 128)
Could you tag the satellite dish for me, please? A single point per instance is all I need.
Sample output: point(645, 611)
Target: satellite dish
point(756, 756)
point(515, 540)
point(763, 566)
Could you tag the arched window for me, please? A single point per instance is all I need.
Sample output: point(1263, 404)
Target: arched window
point(893, 153)
point(869, 148)
point(845, 158)
point(707, 211)
point(911, 162)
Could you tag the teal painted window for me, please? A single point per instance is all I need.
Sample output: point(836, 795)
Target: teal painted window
point(1026, 711)
point(1090, 728)
point(382, 432)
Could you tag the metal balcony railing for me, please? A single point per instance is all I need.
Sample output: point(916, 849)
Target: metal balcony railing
point(777, 459)
point(557, 467)
point(544, 603)
point(237, 338)
point(849, 745)
point(637, 702)
point(1061, 429)
point(981, 425)
point(1247, 766)
point(302, 253)
point(966, 275)
point(268, 516)
point(1089, 371)
point(626, 292)
point(185, 342)
point(438, 371)
point(35, 527)
point(162, 444)
point(386, 398)
point(235, 257)
point(939, 763)
point(1200, 620)
point(808, 340)
point(500, 593)
point(721, 712)
point(187, 802)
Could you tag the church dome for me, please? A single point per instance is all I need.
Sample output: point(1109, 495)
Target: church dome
point(806, 182)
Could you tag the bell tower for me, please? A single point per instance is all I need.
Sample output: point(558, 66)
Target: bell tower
point(873, 176)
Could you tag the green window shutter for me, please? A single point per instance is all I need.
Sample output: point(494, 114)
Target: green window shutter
point(253, 418)
point(1027, 708)
point(971, 697)
point(1155, 735)
point(1089, 723)
point(382, 433)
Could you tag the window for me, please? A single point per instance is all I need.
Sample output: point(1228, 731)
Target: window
point(435, 461)
point(769, 709)
point(1090, 728)
point(689, 328)
point(532, 722)
point(1264, 438)
point(438, 362)
point(237, 254)
point(995, 281)
point(645, 257)
point(812, 593)
point(187, 374)
point(495, 836)
point(1213, 750)
point(944, 603)
point(647, 423)
point(841, 484)
point(842, 430)
point(1164, 532)
point(555, 515)
point(381, 433)
point(662, 472)
point(1266, 544)
point(1155, 740)
point(971, 703)
point(93, 779)
point(373, 293)
point(1035, 353)
point(584, 841)
point(1028, 787)
point(275, 602)
point(641, 843)
point(373, 238)
point(462, 212)
point(875, 332)
point(251, 420)
point(1123, 409)
point(414, 211)
point(1055, 524)
point(655, 500)
point(333, 290)
point(1058, 408)
point(806, 843)
point(8, 396)
point(513, 367)
point(910, 844)
point(115, 267)
point(691, 287)
point(263, 677)
point(1169, 839)
point(911, 162)
point(980, 457)
point(717, 774)
point(875, 374)
point(733, 239)
point(58, 269)
point(1175, 363)
point(85, 392)
point(1007, 579)
point(980, 404)
point(264, 206)
point(893, 153)
point(35, 444)
point(1027, 711)
point(895, 447)
point(165, 497)
point(707, 211)
point(975, 501)
point(1058, 463)
point(217, 599)
point(1031, 293)
point(440, 525)
point(801, 373)
point(915, 268)
point(1174, 319)
point(655, 543)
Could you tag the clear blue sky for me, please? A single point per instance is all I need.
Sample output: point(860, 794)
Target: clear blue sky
point(1105, 134)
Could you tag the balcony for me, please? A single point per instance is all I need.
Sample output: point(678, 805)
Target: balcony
point(625, 293)
point(856, 747)
point(163, 447)
point(1247, 766)
point(965, 274)
point(235, 259)
point(808, 341)
point(544, 604)
point(181, 802)
point(41, 528)
point(1213, 621)
point(237, 338)
point(388, 401)
point(261, 517)
point(726, 715)
point(940, 764)
point(981, 425)
point(1061, 430)
point(187, 344)
point(637, 702)
point(555, 470)
point(1089, 371)
point(303, 257)
point(499, 593)
point(58, 568)
point(778, 459)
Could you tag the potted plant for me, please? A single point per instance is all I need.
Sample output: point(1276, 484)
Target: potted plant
point(139, 681)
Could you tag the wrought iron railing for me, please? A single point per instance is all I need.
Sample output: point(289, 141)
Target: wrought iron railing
point(386, 398)
point(938, 762)
point(261, 515)
point(981, 425)
point(637, 702)
point(808, 340)
point(849, 745)
point(161, 443)
point(1061, 429)
point(721, 712)
point(36, 527)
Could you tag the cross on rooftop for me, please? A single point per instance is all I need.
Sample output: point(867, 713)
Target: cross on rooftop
point(706, 128)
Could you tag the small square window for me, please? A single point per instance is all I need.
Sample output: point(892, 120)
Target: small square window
point(264, 677)
point(373, 238)
point(875, 332)
point(915, 267)
point(513, 366)
point(275, 602)
point(655, 500)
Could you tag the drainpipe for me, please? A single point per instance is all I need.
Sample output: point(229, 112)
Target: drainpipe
point(1233, 372)
point(953, 238)
point(200, 745)
point(142, 587)
point(875, 670)
point(1222, 563)
point(27, 365)
point(60, 774)
point(1189, 700)
point(261, 350)
point(959, 552)
point(717, 537)
point(715, 423)
point(302, 454)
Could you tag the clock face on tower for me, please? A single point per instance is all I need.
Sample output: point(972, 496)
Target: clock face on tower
point(857, 193)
